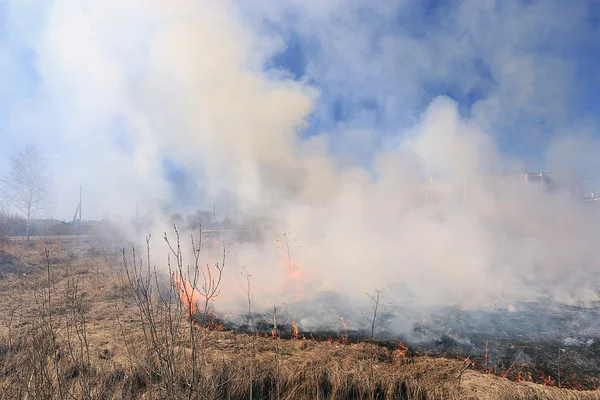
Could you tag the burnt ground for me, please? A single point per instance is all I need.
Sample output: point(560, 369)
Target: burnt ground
point(121, 356)
point(9, 264)
point(529, 339)
point(522, 345)
point(12, 266)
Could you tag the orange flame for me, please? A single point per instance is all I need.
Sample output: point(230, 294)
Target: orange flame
point(402, 349)
point(343, 324)
point(295, 330)
point(187, 294)
point(548, 381)
point(296, 271)
point(519, 377)
point(344, 334)
point(213, 326)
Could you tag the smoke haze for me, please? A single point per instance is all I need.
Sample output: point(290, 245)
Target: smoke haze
point(124, 88)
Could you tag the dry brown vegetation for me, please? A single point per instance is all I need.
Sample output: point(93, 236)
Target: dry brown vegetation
point(72, 329)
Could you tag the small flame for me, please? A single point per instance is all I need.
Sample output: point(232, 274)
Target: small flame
point(296, 271)
point(344, 333)
point(547, 380)
point(213, 326)
point(519, 376)
point(188, 295)
point(402, 349)
point(295, 330)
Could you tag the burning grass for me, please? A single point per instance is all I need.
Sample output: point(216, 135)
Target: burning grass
point(72, 329)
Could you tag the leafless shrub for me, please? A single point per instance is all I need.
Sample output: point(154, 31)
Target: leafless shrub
point(77, 345)
point(176, 356)
point(36, 362)
point(160, 319)
point(187, 279)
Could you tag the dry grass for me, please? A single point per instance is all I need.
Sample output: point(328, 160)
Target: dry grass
point(85, 341)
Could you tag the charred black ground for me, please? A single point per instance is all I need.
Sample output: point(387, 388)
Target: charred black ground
point(521, 344)
point(9, 264)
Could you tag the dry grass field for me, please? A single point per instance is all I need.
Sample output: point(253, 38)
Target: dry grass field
point(71, 328)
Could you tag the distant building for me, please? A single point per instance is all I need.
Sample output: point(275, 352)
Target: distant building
point(540, 178)
point(592, 197)
point(436, 188)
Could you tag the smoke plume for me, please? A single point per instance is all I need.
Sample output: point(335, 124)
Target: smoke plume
point(438, 214)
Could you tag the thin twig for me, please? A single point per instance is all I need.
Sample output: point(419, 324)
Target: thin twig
point(469, 364)
point(513, 363)
point(559, 380)
point(486, 356)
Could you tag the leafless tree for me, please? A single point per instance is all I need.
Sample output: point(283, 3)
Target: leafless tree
point(27, 182)
point(286, 246)
point(276, 335)
point(375, 299)
point(248, 292)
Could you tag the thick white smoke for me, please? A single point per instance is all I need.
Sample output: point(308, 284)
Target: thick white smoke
point(131, 84)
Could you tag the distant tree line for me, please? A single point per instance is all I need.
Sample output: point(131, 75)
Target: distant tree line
point(24, 195)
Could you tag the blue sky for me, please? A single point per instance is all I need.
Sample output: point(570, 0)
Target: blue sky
point(556, 41)
point(525, 71)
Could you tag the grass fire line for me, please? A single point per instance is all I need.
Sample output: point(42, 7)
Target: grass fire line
point(104, 334)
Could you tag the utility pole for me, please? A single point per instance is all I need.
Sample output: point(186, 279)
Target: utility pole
point(80, 198)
